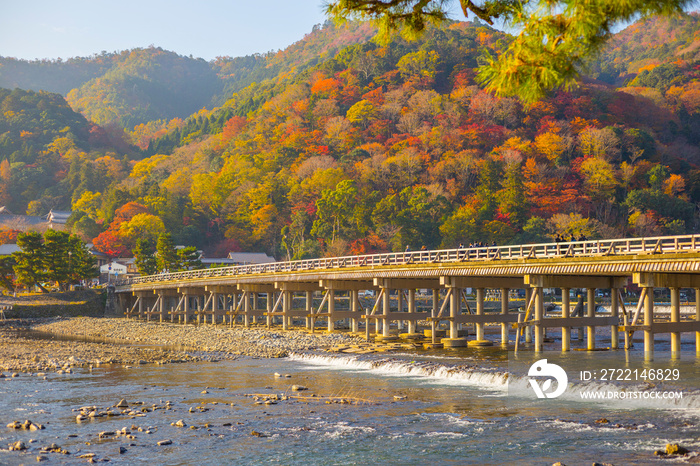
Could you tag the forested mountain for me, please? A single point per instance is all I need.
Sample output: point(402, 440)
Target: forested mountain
point(145, 85)
point(57, 76)
point(644, 45)
point(321, 43)
point(375, 147)
point(141, 85)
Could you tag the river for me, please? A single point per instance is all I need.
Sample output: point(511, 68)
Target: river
point(460, 406)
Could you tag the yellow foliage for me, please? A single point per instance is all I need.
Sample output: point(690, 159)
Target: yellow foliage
point(61, 146)
point(179, 182)
point(674, 185)
point(146, 166)
point(89, 203)
point(551, 145)
point(600, 176)
point(142, 226)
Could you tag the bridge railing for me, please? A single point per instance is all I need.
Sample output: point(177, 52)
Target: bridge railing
point(626, 246)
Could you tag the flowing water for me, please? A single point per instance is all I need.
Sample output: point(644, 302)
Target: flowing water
point(423, 407)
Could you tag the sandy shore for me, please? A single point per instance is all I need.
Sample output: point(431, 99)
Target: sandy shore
point(121, 341)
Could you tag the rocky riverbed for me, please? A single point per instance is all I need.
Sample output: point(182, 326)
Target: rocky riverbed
point(85, 341)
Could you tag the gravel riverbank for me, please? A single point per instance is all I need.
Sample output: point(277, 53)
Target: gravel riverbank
point(84, 341)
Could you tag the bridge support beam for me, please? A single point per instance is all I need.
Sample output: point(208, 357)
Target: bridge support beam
point(614, 312)
point(479, 326)
point(565, 314)
point(648, 322)
point(355, 310)
point(504, 311)
point(411, 310)
point(675, 317)
point(590, 331)
point(697, 319)
point(309, 302)
point(528, 329)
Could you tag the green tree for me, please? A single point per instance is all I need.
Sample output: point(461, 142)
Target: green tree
point(29, 268)
point(7, 272)
point(512, 200)
point(362, 113)
point(57, 255)
point(167, 255)
point(144, 256)
point(82, 264)
point(555, 36)
point(189, 258)
point(335, 209)
point(413, 216)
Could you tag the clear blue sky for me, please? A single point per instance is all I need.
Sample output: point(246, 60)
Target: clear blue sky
point(32, 29)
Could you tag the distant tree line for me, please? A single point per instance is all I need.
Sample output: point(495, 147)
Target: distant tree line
point(164, 256)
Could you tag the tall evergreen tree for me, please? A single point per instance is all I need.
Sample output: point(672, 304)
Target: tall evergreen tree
point(144, 254)
point(57, 257)
point(167, 254)
point(189, 258)
point(29, 268)
point(7, 272)
point(82, 264)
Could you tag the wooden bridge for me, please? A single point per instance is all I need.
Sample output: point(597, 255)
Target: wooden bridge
point(334, 289)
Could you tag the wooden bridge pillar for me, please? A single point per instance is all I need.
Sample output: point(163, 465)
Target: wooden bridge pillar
point(269, 303)
point(162, 309)
point(528, 329)
point(386, 310)
point(590, 331)
point(434, 312)
point(246, 309)
point(355, 309)
point(675, 317)
point(697, 319)
point(614, 312)
point(186, 308)
point(504, 311)
point(480, 312)
point(331, 310)
point(399, 308)
point(565, 314)
point(411, 310)
point(539, 317)
point(141, 306)
point(308, 306)
point(455, 311)
point(286, 307)
point(649, 322)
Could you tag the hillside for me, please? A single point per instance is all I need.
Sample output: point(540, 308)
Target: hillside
point(44, 149)
point(323, 42)
point(141, 85)
point(377, 147)
point(57, 76)
point(645, 44)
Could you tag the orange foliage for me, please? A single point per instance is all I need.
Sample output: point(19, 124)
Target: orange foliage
point(127, 212)
point(578, 124)
point(371, 244)
point(8, 235)
point(376, 97)
point(328, 88)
